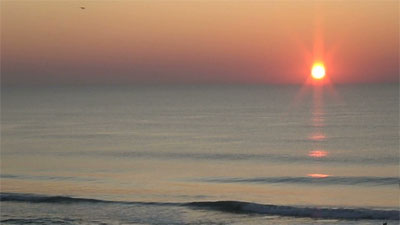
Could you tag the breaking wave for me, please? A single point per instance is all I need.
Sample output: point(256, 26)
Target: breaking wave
point(291, 211)
point(226, 206)
point(33, 198)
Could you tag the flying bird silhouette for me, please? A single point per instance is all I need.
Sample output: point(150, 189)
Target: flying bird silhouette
point(83, 7)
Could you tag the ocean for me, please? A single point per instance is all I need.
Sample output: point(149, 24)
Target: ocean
point(206, 154)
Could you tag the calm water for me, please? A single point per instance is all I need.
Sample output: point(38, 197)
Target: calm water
point(175, 154)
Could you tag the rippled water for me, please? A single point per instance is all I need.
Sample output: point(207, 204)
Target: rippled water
point(230, 154)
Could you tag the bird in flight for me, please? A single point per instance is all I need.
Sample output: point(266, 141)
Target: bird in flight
point(82, 7)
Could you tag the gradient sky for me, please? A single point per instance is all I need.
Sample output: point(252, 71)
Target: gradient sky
point(256, 42)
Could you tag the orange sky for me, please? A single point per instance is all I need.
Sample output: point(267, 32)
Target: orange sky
point(257, 42)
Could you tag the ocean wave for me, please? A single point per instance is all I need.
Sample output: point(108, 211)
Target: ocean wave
point(265, 157)
point(34, 198)
point(252, 157)
point(226, 206)
point(40, 177)
point(291, 211)
point(329, 180)
point(45, 220)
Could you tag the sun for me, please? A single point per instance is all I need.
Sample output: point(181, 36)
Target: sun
point(318, 71)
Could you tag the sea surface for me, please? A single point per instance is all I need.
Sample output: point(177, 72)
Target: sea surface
point(207, 154)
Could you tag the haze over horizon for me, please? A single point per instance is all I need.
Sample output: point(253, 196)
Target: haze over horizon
point(157, 42)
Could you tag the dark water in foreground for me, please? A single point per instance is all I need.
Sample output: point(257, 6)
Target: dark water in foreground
point(200, 155)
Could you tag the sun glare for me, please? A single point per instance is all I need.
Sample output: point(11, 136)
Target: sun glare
point(318, 71)
point(318, 154)
point(318, 175)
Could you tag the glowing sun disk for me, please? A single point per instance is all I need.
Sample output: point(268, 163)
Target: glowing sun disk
point(318, 71)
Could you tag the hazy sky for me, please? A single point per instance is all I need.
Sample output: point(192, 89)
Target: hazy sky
point(119, 42)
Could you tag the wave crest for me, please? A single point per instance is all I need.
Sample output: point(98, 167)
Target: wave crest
point(291, 211)
point(226, 206)
point(34, 198)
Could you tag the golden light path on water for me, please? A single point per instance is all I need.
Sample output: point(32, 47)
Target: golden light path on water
point(318, 153)
point(318, 123)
